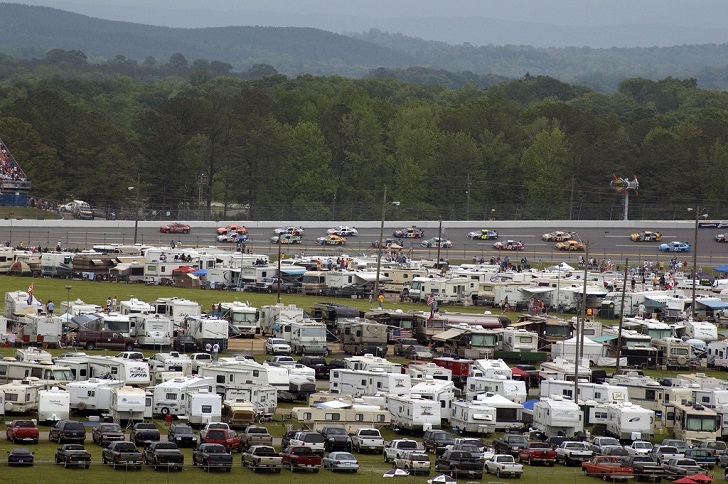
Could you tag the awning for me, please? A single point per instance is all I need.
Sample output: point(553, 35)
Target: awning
point(537, 290)
point(518, 372)
point(293, 271)
point(200, 272)
point(449, 334)
point(652, 304)
point(604, 338)
point(723, 268)
point(712, 304)
point(372, 276)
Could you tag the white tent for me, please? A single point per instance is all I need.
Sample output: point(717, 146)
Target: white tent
point(561, 266)
point(567, 349)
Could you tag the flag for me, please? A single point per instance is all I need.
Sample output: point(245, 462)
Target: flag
point(430, 299)
point(30, 295)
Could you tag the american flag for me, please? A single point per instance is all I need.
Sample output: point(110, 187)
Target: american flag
point(430, 299)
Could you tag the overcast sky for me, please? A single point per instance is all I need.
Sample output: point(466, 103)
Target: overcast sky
point(565, 22)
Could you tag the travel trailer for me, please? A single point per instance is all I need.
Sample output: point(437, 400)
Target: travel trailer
point(644, 391)
point(33, 354)
point(127, 404)
point(561, 369)
point(263, 397)
point(352, 417)
point(473, 417)
point(424, 371)
point(19, 370)
point(371, 362)
point(238, 413)
point(40, 329)
point(440, 391)
point(514, 390)
point(628, 421)
point(153, 331)
point(135, 307)
point(172, 361)
point(206, 329)
point(131, 372)
point(240, 374)
point(557, 416)
point(92, 395)
point(591, 350)
point(519, 340)
point(17, 303)
point(271, 316)
point(203, 407)
point(53, 405)
point(176, 309)
point(305, 337)
point(718, 353)
point(21, 396)
point(508, 414)
point(413, 413)
point(360, 336)
point(596, 392)
point(170, 397)
point(702, 330)
point(490, 368)
point(444, 290)
point(362, 382)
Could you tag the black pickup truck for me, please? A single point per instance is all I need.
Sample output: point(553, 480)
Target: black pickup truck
point(73, 455)
point(510, 444)
point(460, 464)
point(144, 433)
point(212, 456)
point(164, 455)
point(122, 454)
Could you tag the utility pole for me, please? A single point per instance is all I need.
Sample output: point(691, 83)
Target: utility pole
point(467, 209)
point(381, 243)
point(621, 313)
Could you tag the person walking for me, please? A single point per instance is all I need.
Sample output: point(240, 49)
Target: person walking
point(208, 348)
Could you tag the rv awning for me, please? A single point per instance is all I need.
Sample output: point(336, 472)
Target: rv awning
point(604, 338)
point(537, 290)
point(200, 272)
point(332, 404)
point(712, 304)
point(652, 304)
point(372, 276)
point(520, 373)
point(449, 334)
point(293, 271)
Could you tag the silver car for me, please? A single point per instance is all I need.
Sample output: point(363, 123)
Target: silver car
point(340, 461)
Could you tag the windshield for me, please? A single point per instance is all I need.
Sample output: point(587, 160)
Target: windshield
point(245, 317)
point(110, 428)
point(336, 431)
point(642, 445)
point(517, 439)
point(215, 448)
point(313, 332)
point(63, 375)
point(608, 441)
point(701, 423)
point(557, 330)
point(183, 430)
point(125, 447)
point(483, 340)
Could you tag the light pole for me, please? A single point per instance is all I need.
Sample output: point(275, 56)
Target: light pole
point(68, 300)
point(381, 241)
point(279, 269)
point(698, 214)
point(136, 211)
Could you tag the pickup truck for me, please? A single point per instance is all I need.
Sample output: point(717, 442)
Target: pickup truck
point(210, 426)
point(573, 452)
point(503, 464)
point(71, 455)
point(212, 456)
point(281, 361)
point(537, 452)
point(368, 440)
point(702, 456)
point(644, 468)
point(227, 438)
point(510, 444)
point(262, 457)
point(301, 458)
point(638, 447)
point(22, 431)
point(122, 454)
point(164, 455)
point(144, 433)
point(415, 462)
point(399, 447)
point(337, 438)
point(253, 435)
point(200, 360)
point(598, 443)
point(607, 467)
point(676, 468)
point(105, 433)
point(104, 339)
point(461, 464)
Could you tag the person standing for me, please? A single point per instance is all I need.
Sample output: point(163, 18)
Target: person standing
point(108, 304)
point(39, 306)
point(58, 246)
point(113, 303)
point(215, 350)
point(381, 300)
point(50, 307)
point(208, 348)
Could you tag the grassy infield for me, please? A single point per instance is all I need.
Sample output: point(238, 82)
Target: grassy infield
point(372, 466)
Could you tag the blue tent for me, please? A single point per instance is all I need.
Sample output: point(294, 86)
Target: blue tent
point(528, 404)
point(723, 268)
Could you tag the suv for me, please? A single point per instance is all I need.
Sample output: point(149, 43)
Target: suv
point(67, 431)
point(104, 339)
point(337, 438)
point(182, 435)
point(437, 440)
point(317, 363)
point(184, 343)
point(314, 440)
point(144, 433)
point(277, 346)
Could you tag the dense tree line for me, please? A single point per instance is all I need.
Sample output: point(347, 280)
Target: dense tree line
point(324, 147)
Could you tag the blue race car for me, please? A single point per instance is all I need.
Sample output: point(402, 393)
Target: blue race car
point(674, 246)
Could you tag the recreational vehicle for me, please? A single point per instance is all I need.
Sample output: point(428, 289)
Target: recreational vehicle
point(177, 309)
point(644, 391)
point(207, 329)
point(203, 407)
point(352, 417)
point(21, 396)
point(131, 372)
point(238, 413)
point(263, 397)
point(172, 361)
point(702, 330)
point(673, 353)
point(628, 421)
point(561, 369)
point(508, 414)
point(271, 316)
point(424, 371)
point(313, 283)
point(371, 362)
point(127, 404)
point(231, 376)
point(414, 413)
point(243, 317)
point(514, 390)
point(473, 417)
point(169, 398)
point(92, 395)
point(40, 329)
point(33, 354)
point(135, 307)
point(56, 264)
point(519, 340)
point(693, 422)
point(153, 331)
point(360, 336)
point(305, 337)
point(470, 342)
point(19, 370)
point(53, 405)
point(490, 369)
point(362, 382)
point(557, 416)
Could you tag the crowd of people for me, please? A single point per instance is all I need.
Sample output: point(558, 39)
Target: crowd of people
point(9, 168)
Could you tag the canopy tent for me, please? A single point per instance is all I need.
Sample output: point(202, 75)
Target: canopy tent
point(519, 373)
point(400, 473)
point(200, 272)
point(293, 270)
point(528, 404)
point(442, 479)
point(723, 268)
point(604, 338)
point(561, 266)
point(712, 303)
point(652, 304)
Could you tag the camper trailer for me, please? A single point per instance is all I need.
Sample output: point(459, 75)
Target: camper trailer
point(371, 362)
point(567, 350)
point(644, 391)
point(19, 370)
point(131, 372)
point(424, 371)
point(561, 369)
point(177, 309)
point(203, 407)
point(238, 413)
point(33, 354)
point(271, 316)
point(135, 307)
point(702, 330)
point(508, 414)
point(263, 397)
point(21, 396)
point(673, 353)
point(557, 416)
point(360, 336)
point(172, 361)
point(362, 382)
point(470, 342)
point(243, 317)
point(127, 404)
point(413, 413)
point(514, 390)
point(169, 398)
point(53, 404)
point(519, 340)
point(237, 375)
point(628, 421)
point(352, 417)
point(206, 329)
point(92, 395)
point(490, 369)
point(440, 391)
point(40, 329)
point(56, 264)
point(596, 392)
point(153, 331)
point(473, 417)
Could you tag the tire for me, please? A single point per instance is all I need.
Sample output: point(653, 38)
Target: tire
point(530, 462)
point(129, 347)
point(185, 231)
point(497, 472)
point(90, 345)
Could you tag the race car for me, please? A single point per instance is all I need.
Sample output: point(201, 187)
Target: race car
point(288, 230)
point(646, 236)
point(331, 239)
point(436, 242)
point(233, 238)
point(483, 234)
point(557, 236)
point(674, 246)
point(570, 246)
point(231, 229)
point(343, 231)
point(409, 233)
point(389, 242)
point(509, 245)
point(721, 238)
point(286, 239)
point(175, 228)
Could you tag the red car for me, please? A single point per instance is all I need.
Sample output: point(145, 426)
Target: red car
point(175, 228)
point(232, 229)
point(22, 431)
point(229, 438)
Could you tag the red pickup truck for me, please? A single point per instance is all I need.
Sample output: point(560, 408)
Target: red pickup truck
point(22, 431)
point(537, 452)
point(607, 467)
point(229, 438)
point(301, 458)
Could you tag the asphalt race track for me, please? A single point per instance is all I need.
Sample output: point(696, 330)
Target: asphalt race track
point(607, 239)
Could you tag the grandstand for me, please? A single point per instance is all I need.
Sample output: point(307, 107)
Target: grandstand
point(14, 184)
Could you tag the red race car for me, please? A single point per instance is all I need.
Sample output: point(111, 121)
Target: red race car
point(175, 228)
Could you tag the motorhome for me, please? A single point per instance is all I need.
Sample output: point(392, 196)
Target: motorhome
point(56, 264)
point(352, 417)
point(203, 407)
point(170, 397)
point(207, 329)
point(53, 405)
point(673, 353)
point(176, 309)
point(332, 313)
point(313, 283)
point(596, 392)
point(514, 390)
point(470, 342)
point(92, 395)
point(628, 421)
point(33, 354)
point(127, 404)
point(360, 336)
point(172, 361)
point(567, 350)
point(238, 413)
point(508, 414)
point(413, 413)
point(423, 371)
point(473, 417)
point(271, 316)
point(557, 416)
point(368, 382)
point(243, 317)
point(131, 372)
point(716, 400)
point(490, 368)
point(79, 308)
point(401, 277)
point(305, 337)
point(19, 370)
point(135, 307)
point(444, 290)
point(113, 322)
point(693, 422)
point(492, 293)
point(21, 396)
point(231, 376)
point(636, 347)
point(653, 328)
point(400, 324)
point(550, 329)
point(644, 391)
point(717, 353)
point(371, 362)
point(153, 331)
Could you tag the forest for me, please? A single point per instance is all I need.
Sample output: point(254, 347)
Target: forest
point(261, 145)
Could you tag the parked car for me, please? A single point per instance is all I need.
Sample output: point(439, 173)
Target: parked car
point(537, 452)
point(262, 457)
point(277, 346)
point(713, 446)
point(22, 431)
point(65, 431)
point(418, 352)
point(105, 433)
point(702, 456)
point(104, 339)
point(646, 236)
point(599, 442)
point(510, 444)
point(460, 464)
point(212, 456)
point(182, 435)
point(317, 363)
point(399, 447)
point(144, 433)
point(608, 468)
point(675, 468)
point(662, 453)
point(73, 455)
point(343, 231)
point(184, 343)
point(175, 228)
point(314, 440)
point(503, 464)
point(639, 447)
point(435, 242)
point(20, 457)
point(437, 440)
point(674, 246)
point(122, 454)
point(644, 468)
point(483, 234)
point(337, 438)
point(414, 462)
point(331, 240)
point(295, 458)
point(340, 461)
point(402, 344)
point(573, 452)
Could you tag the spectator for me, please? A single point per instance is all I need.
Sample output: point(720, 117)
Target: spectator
point(215, 350)
point(50, 307)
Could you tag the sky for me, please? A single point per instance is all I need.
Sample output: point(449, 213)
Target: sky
point(596, 23)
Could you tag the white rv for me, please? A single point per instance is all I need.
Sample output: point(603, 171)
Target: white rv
point(371, 362)
point(443, 392)
point(172, 361)
point(519, 340)
point(270, 316)
point(306, 337)
point(19, 370)
point(91, 395)
point(17, 303)
point(40, 329)
point(567, 350)
point(360, 382)
point(21, 396)
point(131, 372)
point(243, 317)
point(170, 397)
point(353, 417)
point(596, 392)
point(413, 413)
point(561, 369)
point(33, 354)
point(630, 421)
point(490, 368)
point(514, 390)
point(424, 371)
point(263, 397)
point(127, 403)
point(176, 309)
point(53, 405)
point(153, 330)
point(206, 329)
point(508, 414)
point(203, 407)
point(473, 417)
point(56, 264)
point(135, 307)
point(702, 330)
point(230, 376)
point(556, 416)
point(718, 353)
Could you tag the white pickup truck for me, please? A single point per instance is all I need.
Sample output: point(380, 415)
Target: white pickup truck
point(397, 448)
point(572, 452)
point(369, 440)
